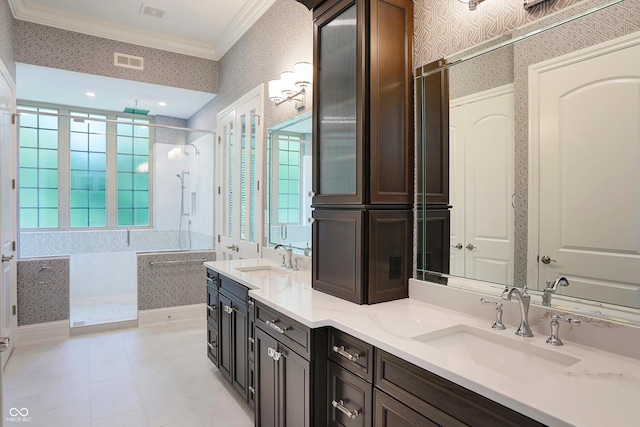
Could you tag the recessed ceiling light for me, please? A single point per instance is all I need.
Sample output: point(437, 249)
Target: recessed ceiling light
point(90, 94)
point(162, 104)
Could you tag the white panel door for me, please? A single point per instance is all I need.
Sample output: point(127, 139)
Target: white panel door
point(8, 211)
point(482, 182)
point(589, 120)
point(240, 158)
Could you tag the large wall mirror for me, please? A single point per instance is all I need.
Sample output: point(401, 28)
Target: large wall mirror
point(289, 194)
point(542, 133)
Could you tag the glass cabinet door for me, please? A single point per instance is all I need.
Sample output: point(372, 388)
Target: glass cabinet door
point(338, 160)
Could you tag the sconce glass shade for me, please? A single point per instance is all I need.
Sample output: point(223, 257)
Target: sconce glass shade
point(288, 81)
point(303, 74)
point(275, 90)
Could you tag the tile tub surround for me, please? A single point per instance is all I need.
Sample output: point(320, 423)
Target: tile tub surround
point(571, 397)
point(171, 284)
point(43, 290)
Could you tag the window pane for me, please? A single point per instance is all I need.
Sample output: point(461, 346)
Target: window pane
point(141, 181)
point(98, 180)
point(48, 178)
point(141, 199)
point(28, 177)
point(79, 160)
point(48, 122)
point(125, 181)
point(79, 180)
point(49, 218)
point(78, 125)
point(79, 198)
point(98, 161)
point(125, 199)
point(28, 218)
point(97, 126)
point(79, 217)
point(141, 130)
point(97, 218)
point(125, 163)
point(141, 217)
point(28, 120)
point(125, 145)
point(28, 198)
point(48, 159)
point(48, 198)
point(125, 217)
point(98, 143)
point(29, 157)
point(28, 137)
point(48, 139)
point(78, 141)
point(98, 199)
point(141, 146)
point(124, 129)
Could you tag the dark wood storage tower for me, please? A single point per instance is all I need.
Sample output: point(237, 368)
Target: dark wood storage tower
point(363, 148)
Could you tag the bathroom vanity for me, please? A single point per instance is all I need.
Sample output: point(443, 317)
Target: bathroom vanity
point(320, 360)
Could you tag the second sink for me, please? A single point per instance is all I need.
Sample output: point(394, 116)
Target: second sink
point(505, 355)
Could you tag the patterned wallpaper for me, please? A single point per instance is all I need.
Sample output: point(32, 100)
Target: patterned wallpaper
point(43, 290)
point(279, 39)
point(444, 27)
point(6, 38)
point(56, 48)
point(171, 285)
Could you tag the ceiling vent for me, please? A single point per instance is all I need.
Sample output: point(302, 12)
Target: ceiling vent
point(128, 61)
point(156, 12)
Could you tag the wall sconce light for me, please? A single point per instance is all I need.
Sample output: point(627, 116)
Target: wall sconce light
point(292, 85)
point(473, 4)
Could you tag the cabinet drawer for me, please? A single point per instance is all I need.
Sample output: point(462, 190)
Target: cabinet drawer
point(233, 289)
point(388, 412)
point(293, 334)
point(351, 353)
point(348, 399)
point(212, 343)
point(438, 399)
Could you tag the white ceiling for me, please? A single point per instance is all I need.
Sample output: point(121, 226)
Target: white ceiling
point(70, 88)
point(202, 28)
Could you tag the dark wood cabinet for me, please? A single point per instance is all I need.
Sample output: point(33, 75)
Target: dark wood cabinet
point(362, 255)
point(363, 142)
point(391, 413)
point(363, 102)
point(230, 332)
point(283, 384)
point(434, 225)
point(349, 399)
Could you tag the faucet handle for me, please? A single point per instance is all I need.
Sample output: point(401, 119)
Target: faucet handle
point(498, 323)
point(554, 339)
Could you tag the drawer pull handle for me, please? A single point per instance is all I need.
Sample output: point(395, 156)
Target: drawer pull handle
point(228, 309)
point(348, 356)
point(339, 405)
point(272, 353)
point(272, 325)
point(211, 346)
point(209, 307)
point(212, 281)
point(251, 340)
point(252, 390)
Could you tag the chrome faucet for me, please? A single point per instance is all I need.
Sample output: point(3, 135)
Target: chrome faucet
point(551, 289)
point(524, 299)
point(286, 256)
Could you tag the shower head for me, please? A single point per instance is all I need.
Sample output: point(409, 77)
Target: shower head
point(195, 148)
point(178, 175)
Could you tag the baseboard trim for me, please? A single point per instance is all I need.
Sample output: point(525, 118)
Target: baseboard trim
point(103, 327)
point(171, 314)
point(42, 331)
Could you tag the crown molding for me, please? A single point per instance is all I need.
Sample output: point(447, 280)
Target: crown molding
point(100, 28)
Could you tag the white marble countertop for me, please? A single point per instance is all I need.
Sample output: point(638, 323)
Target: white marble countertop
point(601, 389)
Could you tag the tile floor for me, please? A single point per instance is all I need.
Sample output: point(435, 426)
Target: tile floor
point(148, 376)
point(103, 309)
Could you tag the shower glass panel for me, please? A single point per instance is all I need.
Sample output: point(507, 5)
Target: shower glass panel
point(101, 187)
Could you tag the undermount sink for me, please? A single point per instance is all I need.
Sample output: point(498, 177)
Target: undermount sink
point(505, 355)
point(263, 271)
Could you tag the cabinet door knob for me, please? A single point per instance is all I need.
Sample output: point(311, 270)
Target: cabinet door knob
point(339, 405)
point(470, 247)
point(228, 309)
point(272, 353)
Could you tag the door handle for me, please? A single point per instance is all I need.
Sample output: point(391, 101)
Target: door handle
point(4, 343)
point(470, 247)
point(458, 246)
point(233, 248)
point(546, 260)
point(7, 258)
